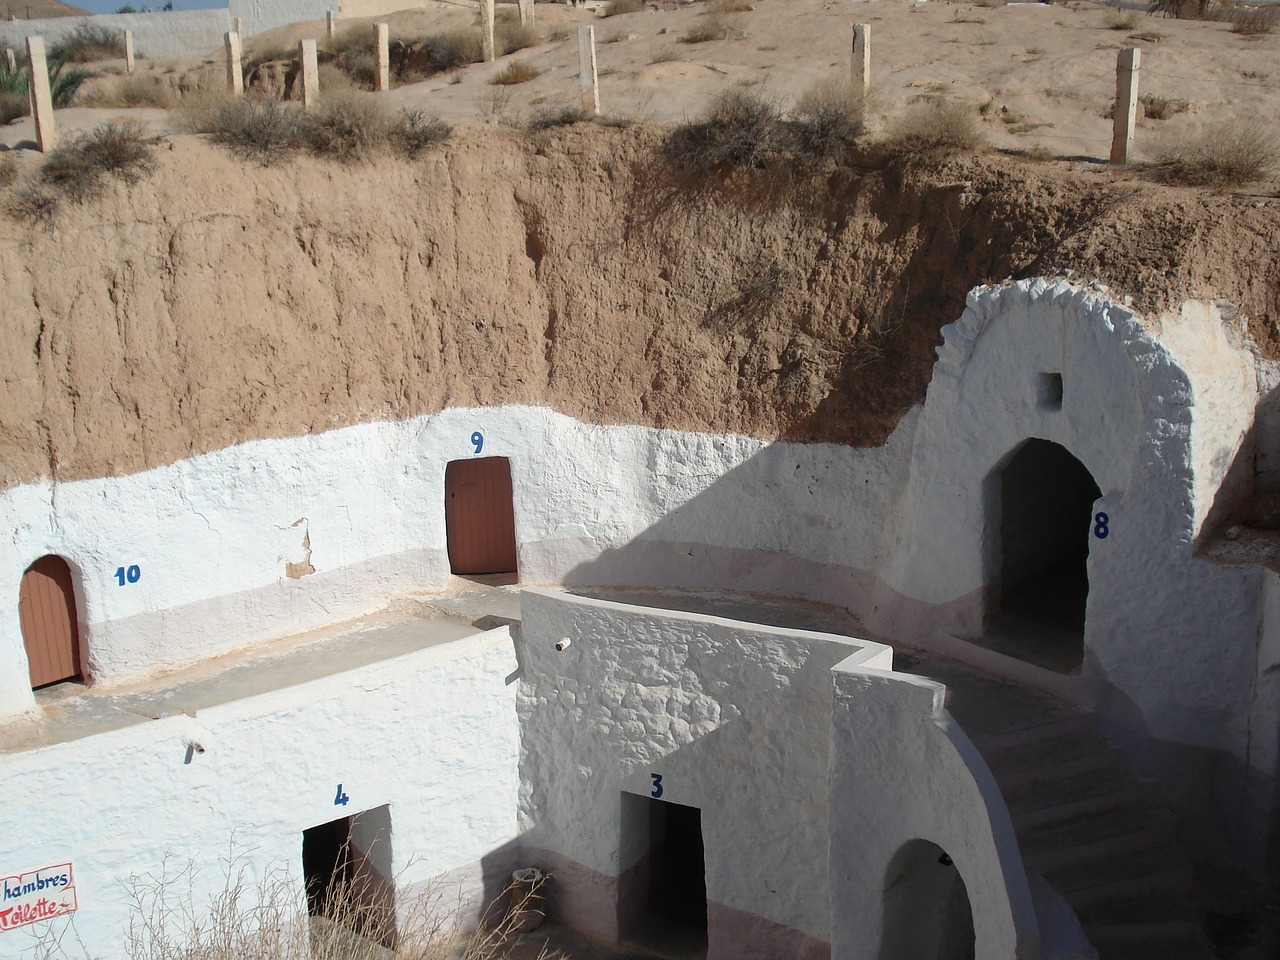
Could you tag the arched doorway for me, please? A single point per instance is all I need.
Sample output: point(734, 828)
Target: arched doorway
point(927, 915)
point(1046, 506)
point(50, 631)
point(479, 516)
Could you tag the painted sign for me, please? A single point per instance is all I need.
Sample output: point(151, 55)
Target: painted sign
point(39, 895)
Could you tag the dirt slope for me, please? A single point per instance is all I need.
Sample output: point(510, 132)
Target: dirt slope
point(218, 301)
point(36, 9)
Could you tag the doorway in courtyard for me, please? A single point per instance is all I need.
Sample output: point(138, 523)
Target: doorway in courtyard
point(667, 888)
point(50, 627)
point(479, 516)
point(346, 864)
point(927, 915)
point(1037, 606)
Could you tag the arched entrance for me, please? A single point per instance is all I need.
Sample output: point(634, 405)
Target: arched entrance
point(50, 631)
point(1038, 604)
point(927, 915)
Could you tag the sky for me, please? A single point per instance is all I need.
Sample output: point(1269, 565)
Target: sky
point(111, 6)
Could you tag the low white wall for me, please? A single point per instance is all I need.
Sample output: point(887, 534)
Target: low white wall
point(175, 33)
point(902, 770)
point(433, 734)
point(735, 719)
point(259, 15)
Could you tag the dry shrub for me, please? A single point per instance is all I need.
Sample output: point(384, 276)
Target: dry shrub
point(1162, 108)
point(616, 7)
point(12, 106)
point(348, 125)
point(197, 111)
point(87, 43)
point(133, 91)
point(739, 130)
point(517, 71)
point(8, 171)
point(263, 130)
point(333, 78)
point(667, 54)
point(1184, 9)
point(730, 6)
point(1222, 154)
point(1252, 21)
point(563, 117)
point(415, 131)
point(511, 35)
point(936, 128)
point(79, 168)
point(1117, 20)
point(828, 119)
point(713, 26)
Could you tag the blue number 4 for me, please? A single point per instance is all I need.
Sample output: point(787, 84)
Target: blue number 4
point(341, 799)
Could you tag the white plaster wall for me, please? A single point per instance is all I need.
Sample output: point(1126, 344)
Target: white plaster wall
point(176, 33)
point(432, 734)
point(736, 719)
point(901, 770)
point(259, 15)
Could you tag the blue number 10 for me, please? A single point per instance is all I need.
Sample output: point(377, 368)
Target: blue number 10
point(132, 575)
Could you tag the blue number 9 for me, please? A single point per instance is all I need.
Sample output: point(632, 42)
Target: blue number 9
point(477, 440)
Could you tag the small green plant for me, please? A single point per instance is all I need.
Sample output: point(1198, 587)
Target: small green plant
point(713, 26)
point(517, 71)
point(937, 129)
point(617, 7)
point(1226, 153)
point(88, 43)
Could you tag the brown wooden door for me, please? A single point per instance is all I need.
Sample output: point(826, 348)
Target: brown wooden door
point(47, 611)
point(478, 516)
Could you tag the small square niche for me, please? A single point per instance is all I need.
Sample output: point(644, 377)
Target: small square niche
point(1049, 391)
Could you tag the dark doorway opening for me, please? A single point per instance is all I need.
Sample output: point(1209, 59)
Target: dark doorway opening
point(927, 915)
point(1039, 601)
point(346, 864)
point(50, 627)
point(479, 516)
point(668, 884)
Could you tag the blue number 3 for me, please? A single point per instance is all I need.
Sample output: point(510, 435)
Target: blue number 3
point(657, 785)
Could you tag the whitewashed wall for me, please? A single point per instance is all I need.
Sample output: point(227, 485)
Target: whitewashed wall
point(176, 33)
point(735, 718)
point(898, 534)
point(433, 734)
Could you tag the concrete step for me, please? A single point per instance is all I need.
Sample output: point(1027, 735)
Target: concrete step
point(1158, 872)
point(1066, 798)
point(1056, 747)
point(1109, 833)
point(992, 745)
point(1014, 782)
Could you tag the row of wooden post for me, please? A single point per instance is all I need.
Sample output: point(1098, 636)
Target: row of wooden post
point(1128, 64)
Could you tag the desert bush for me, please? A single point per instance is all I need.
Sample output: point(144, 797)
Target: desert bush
point(262, 130)
point(1252, 21)
point(511, 35)
point(348, 125)
point(936, 128)
point(730, 6)
point(334, 78)
point(617, 7)
point(12, 106)
point(740, 130)
point(1184, 9)
point(1122, 20)
point(1226, 153)
point(828, 118)
point(197, 112)
point(87, 43)
point(562, 117)
point(1162, 108)
point(667, 54)
point(133, 91)
point(8, 171)
point(517, 71)
point(79, 167)
point(454, 49)
point(713, 26)
point(415, 131)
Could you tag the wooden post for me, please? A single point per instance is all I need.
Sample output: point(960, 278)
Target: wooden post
point(331, 24)
point(128, 51)
point(862, 57)
point(41, 99)
point(310, 74)
point(526, 12)
point(1126, 109)
point(235, 70)
point(487, 44)
point(587, 69)
point(382, 72)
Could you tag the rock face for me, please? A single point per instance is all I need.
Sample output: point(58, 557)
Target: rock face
point(219, 301)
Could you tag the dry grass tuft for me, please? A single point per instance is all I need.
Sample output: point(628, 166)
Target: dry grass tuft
point(730, 6)
point(562, 117)
point(415, 131)
point(1253, 21)
point(828, 119)
point(938, 129)
point(1227, 153)
point(665, 54)
point(511, 35)
point(348, 125)
point(8, 171)
point(517, 71)
point(1162, 108)
point(267, 131)
point(617, 7)
point(1122, 20)
point(713, 26)
point(138, 90)
point(88, 43)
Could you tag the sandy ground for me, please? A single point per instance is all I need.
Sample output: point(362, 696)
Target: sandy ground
point(1046, 72)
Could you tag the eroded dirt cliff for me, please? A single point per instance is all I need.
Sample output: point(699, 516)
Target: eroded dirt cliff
point(218, 301)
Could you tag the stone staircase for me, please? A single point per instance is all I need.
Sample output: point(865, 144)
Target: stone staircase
point(1095, 835)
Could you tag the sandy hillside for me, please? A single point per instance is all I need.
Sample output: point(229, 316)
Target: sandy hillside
point(35, 9)
point(218, 300)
